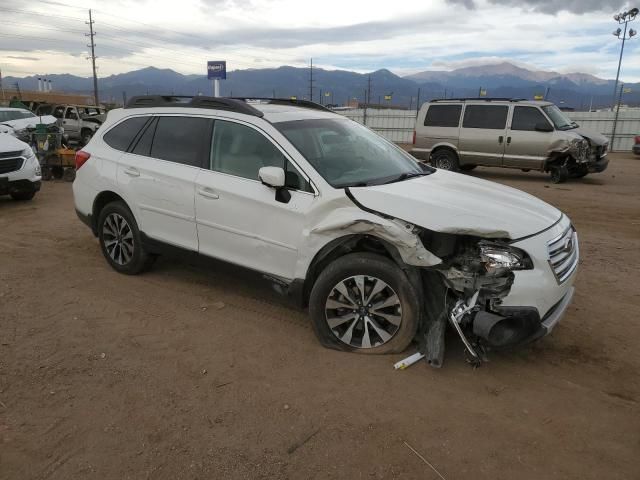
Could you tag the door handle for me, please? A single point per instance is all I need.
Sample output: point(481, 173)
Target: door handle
point(508, 140)
point(500, 139)
point(132, 172)
point(205, 192)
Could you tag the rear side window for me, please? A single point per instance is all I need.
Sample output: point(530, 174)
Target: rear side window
point(526, 118)
point(485, 116)
point(121, 136)
point(443, 116)
point(184, 140)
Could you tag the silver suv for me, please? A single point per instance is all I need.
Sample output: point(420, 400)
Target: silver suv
point(460, 134)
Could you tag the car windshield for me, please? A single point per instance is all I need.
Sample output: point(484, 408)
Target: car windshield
point(347, 154)
point(559, 119)
point(7, 115)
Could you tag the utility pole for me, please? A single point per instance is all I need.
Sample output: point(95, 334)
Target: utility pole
point(320, 97)
point(615, 120)
point(418, 102)
point(92, 34)
point(311, 80)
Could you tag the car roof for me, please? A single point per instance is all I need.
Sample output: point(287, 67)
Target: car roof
point(284, 113)
point(13, 109)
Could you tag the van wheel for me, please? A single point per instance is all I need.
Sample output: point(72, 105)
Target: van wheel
point(559, 174)
point(467, 168)
point(445, 160)
point(120, 240)
point(364, 303)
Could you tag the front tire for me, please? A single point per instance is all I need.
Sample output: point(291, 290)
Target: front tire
point(364, 303)
point(445, 160)
point(559, 174)
point(23, 196)
point(120, 240)
point(86, 136)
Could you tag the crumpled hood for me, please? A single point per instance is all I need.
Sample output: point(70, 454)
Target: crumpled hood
point(454, 203)
point(596, 139)
point(31, 122)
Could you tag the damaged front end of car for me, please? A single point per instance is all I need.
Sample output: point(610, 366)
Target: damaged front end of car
point(476, 274)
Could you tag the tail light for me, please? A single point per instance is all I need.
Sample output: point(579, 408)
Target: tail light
point(81, 158)
point(414, 138)
point(637, 139)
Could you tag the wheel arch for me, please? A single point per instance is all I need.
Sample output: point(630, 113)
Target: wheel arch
point(345, 245)
point(445, 146)
point(101, 200)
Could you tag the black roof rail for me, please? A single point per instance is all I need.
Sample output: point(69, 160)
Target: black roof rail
point(485, 99)
point(286, 101)
point(214, 103)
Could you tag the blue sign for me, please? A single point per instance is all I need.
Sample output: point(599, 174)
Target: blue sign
point(217, 70)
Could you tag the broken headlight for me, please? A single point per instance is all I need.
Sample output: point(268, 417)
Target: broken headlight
point(498, 259)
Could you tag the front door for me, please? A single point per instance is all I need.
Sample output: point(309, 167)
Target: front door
point(482, 135)
point(238, 218)
point(158, 175)
point(71, 122)
point(527, 147)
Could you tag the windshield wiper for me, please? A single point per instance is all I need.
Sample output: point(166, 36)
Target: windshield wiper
point(405, 176)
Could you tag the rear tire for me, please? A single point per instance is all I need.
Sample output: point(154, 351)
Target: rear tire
point(120, 240)
point(445, 159)
point(383, 319)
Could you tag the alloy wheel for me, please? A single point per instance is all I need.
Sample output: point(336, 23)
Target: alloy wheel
point(118, 238)
point(363, 311)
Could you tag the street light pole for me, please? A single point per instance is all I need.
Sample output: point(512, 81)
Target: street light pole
point(622, 18)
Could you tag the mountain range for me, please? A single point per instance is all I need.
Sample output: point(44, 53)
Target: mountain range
point(574, 90)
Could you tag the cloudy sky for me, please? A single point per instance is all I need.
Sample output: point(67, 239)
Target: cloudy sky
point(47, 36)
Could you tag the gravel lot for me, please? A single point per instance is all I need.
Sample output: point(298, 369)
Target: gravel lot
point(194, 371)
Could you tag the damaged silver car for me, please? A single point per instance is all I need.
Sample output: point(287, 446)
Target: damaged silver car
point(460, 134)
point(382, 249)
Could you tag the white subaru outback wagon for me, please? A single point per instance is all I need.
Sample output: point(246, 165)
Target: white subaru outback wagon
point(381, 248)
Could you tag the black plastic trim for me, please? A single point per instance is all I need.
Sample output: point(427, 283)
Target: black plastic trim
point(286, 101)
point(212, 103)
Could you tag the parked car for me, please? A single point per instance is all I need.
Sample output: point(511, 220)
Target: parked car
point(636, 146)
point(20, 174)
point(460, 134)
point(380, 247)
point(20, 122)
point(80, 122)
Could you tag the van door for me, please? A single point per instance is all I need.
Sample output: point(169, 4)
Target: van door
point(440, 126)
point(526, 146)
point(482, 136)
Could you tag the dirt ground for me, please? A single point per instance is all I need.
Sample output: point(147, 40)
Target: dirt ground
point(202, 372)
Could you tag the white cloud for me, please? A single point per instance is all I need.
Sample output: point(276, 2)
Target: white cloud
point(406, 38)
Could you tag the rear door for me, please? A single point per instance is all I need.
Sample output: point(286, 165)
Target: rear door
point(239, 219)
point(441, 125)
point(482, 135)
point(158, 176)
point(525, 146)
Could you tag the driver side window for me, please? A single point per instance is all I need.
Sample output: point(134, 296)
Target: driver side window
point(242, 151)
point(70, 114)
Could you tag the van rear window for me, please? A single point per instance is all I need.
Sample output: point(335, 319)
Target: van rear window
point(443, 116)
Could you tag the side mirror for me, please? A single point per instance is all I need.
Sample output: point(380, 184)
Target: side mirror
point(272, 176)
point(543, 127)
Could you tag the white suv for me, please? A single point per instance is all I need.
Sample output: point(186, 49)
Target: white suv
point(382, 249)
point(20, 174)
